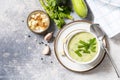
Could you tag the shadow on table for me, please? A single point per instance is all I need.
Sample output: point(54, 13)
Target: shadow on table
point(116, 39)
point(90, 15)
point(104, 67)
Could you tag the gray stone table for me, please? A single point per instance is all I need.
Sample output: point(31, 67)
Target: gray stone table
point(20, 49)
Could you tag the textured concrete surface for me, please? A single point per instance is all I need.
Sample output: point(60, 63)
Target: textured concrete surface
point(20, 49)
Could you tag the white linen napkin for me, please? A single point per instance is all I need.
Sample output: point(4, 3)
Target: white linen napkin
point(112, 2)
point(106, 15)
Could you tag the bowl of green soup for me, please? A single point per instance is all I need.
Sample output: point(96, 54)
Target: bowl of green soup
point(82, 47)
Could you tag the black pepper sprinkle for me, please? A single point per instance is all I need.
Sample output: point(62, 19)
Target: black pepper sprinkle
point(22, 20)
point(39, 42)
point(45, 44)
point(41, 58)
point(42, 42)
point(51, 62)
point(29, 36)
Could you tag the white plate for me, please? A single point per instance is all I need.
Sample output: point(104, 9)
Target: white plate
point(58, 47)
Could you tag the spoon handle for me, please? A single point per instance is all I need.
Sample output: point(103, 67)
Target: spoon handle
point(112, 62)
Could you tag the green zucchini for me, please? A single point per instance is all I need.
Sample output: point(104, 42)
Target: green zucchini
point(80, 8)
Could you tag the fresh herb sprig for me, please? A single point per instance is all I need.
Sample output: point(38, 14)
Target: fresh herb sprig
point(58, 10)
point(86, 47)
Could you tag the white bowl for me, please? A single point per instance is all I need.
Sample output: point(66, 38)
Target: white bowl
point(68, 38)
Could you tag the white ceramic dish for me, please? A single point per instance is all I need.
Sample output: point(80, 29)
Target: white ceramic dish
point(69, 36)
point(59, 48)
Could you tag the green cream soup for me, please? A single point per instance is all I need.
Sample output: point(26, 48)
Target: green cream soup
point(77, 49)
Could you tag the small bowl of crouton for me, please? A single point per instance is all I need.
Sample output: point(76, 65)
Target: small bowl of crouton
point(38, 21)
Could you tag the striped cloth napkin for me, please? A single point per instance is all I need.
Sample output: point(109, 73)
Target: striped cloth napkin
point(107, 15)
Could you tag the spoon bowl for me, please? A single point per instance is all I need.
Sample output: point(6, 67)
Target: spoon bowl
point(98, 31)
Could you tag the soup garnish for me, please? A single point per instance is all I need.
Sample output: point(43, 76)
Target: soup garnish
point(86, 47)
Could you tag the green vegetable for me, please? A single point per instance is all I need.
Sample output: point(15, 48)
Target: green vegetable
point(80, 8)
point(86, 47)
point(78, 53)
point(58, 10)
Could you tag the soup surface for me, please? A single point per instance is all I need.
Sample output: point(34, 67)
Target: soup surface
point(75, 43)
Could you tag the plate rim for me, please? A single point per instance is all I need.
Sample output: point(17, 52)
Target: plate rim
point(57, 55)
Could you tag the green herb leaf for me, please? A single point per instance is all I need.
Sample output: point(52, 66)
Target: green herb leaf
point(81, 46)
point(83, 43)
point(93, 49)
point(87, 47)
point(78, 53)
point(59, 22)
point(92, 41)
point(58, 10)
point(86, 51)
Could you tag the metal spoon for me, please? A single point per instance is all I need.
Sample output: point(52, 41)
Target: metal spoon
point(95, 28)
